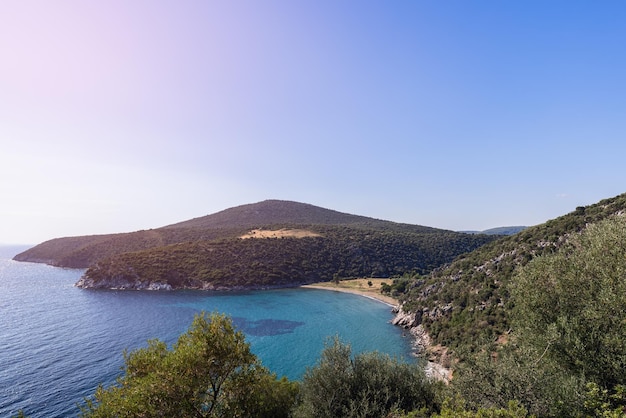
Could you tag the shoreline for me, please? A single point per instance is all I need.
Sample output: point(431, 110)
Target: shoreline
point(387, 300)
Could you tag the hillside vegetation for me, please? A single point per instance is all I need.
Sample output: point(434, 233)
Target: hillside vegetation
point(467, 302)
point(303, 244)
point(83, 251)
point(338, 252)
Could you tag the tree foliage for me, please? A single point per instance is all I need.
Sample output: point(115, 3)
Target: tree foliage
point(209, 372)
point(572, 304)
point(468, 301)
point(566, 355)
point(495, 376)
point(366, 385)
point(457, 408)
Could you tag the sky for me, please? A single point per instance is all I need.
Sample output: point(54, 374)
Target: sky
point(118, 115)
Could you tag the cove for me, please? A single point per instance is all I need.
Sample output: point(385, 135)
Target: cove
point(59, 342)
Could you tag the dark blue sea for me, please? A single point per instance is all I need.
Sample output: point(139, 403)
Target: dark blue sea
point(58, 342)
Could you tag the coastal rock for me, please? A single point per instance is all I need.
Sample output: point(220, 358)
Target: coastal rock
point(422, 344)
point(120, 282)
point(438, 372)
point(404, 319)
point(159, 286)
point(129, 280)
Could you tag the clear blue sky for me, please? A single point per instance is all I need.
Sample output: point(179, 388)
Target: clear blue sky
point(123, 115)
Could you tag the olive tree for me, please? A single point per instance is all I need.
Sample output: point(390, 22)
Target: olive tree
point(209, 372)
point(566, 354)
point(571, 305)
point(366, 385)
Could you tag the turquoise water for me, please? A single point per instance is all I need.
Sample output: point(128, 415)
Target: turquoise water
point(58, 342)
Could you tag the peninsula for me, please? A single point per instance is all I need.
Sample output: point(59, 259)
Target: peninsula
point(269, 244)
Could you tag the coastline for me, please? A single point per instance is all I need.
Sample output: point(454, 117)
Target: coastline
point(421, 340)
point(387, 300)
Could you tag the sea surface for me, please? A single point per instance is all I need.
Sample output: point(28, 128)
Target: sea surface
point(58, 342)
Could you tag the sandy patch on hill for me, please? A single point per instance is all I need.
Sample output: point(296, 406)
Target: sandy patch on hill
point(280, 233)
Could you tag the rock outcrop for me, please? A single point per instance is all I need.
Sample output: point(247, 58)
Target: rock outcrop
point(436, 357)
point(120, 283)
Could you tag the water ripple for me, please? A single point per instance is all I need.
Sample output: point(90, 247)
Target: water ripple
point(57, 342)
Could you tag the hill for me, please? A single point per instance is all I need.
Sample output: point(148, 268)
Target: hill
point(271, 212)
point(295, 243)
point(467, 302)
point(501, 230)
point(83, 251)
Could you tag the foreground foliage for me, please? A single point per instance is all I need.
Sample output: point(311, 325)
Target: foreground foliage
point(366, 385)
point(457, 408)
point(210, 372)
point(572, 304)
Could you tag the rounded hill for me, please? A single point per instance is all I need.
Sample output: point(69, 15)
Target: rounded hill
point(295, 243)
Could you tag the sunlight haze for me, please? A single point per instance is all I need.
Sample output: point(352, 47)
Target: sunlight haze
point(117, 116)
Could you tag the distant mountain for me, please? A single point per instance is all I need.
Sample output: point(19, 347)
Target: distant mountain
point(467, 301)
point(502, 230)
point(295, 243)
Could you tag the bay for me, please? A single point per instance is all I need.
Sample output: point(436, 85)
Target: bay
point(58, 342)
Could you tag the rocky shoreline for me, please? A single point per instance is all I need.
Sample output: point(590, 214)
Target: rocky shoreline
point(436, 357)
point(122, 283)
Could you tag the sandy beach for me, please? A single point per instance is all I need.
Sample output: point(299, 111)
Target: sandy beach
point(358, 287)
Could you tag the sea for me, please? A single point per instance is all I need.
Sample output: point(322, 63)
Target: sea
point(59, 342)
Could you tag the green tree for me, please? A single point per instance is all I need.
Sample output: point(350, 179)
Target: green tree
point(571, 305)
point(567, 353)
point(368, 385)
point(336, 278)
point(495, 376)
point(209, 372)
point(457, 409)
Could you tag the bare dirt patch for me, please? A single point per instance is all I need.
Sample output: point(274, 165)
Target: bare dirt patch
point(280, 233)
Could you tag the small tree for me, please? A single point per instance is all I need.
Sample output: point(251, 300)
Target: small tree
point(210, 372)
point(336, 278)
point(385, 288)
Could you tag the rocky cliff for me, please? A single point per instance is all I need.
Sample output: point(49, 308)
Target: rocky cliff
point(437, 359)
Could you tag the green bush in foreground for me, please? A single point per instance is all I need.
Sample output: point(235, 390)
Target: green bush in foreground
point(366, 385)
point(209, 372)
point(457, 408)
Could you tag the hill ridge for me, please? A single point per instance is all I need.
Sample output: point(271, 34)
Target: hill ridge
point(271, 211)
point(82, 251)
point(209, 253)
